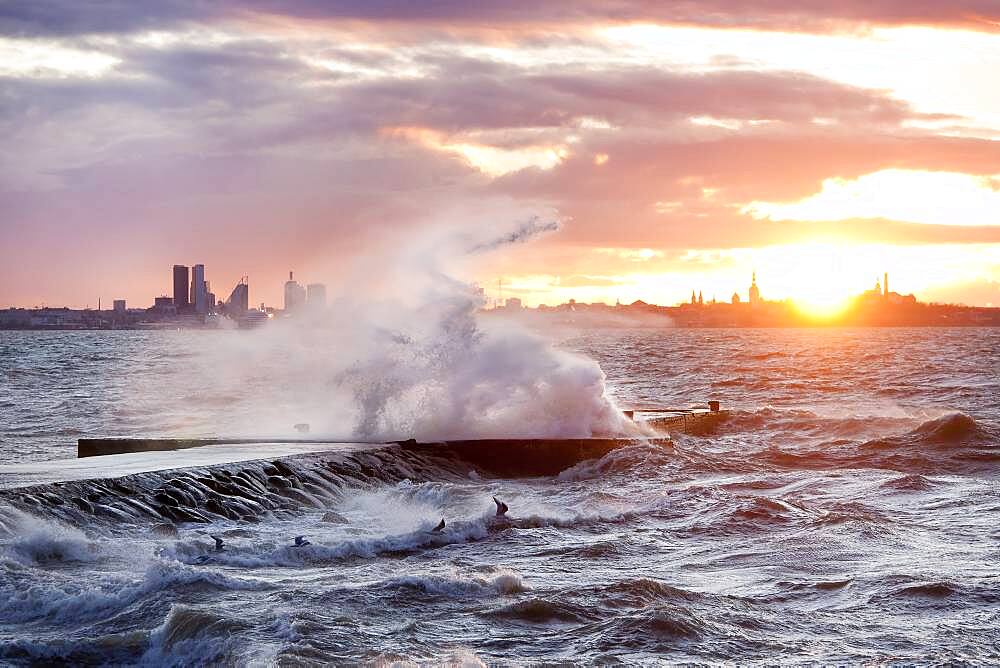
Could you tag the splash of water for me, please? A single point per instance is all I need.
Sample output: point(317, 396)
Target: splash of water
point(405, 356)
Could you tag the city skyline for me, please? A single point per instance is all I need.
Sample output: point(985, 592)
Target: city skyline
point(186, 278)
point(821, 275)
point(194, 306)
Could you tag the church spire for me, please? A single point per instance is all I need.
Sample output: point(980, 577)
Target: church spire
point(754, 290)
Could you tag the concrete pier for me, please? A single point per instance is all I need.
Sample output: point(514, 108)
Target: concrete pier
point(97, 447)
point(695, 421)
point(510, 457)
point(513, 457)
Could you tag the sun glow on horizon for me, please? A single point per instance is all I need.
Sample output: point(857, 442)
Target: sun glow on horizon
point(819, 277)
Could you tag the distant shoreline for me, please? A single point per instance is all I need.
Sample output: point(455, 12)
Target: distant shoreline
point(817, 325)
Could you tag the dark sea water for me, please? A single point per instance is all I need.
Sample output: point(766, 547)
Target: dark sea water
point(845, 512)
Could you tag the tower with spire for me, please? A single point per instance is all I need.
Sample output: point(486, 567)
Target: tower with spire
point(754, 291)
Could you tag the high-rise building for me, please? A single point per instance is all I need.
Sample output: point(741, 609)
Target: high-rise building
point(316, 295)
point(295, 294)
point(120, 307)
point(199, 289)
point(181, 283)
point(239, 301)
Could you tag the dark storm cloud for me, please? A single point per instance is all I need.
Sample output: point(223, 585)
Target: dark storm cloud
point(70, 17)
point(254, 93)
point(803, 14)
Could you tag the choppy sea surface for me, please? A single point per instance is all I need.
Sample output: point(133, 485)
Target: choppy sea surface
point(845, 512)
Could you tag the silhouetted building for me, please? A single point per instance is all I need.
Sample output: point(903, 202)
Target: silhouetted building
point(239, 300)
point(181, 285)
point(754, 291)
point(736, 298)
point(163, 306)
point(210, 296)
point(119, 307)
point(316, 295)
point(199, 289)
point(295, 294)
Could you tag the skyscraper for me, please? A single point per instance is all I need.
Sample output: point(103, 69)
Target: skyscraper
point(295, 294)
point(239, 300)
point(316, 296)
point(199, 291)
point(181, 301)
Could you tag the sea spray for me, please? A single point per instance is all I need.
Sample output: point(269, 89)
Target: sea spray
point(457, 380)
point(402, 354)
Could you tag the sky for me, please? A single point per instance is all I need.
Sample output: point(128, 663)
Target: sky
point(680, 145)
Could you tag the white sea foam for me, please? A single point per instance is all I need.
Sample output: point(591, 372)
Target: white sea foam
point(27, 596)
point(32, 540)
point(402, 353)
point(500, 582)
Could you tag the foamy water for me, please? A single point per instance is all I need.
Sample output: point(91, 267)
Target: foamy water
point(845, 513)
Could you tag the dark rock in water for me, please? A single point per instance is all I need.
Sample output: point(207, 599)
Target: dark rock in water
point(316, 490)
point(53, 499)
point(277, 482)
point(109, 511)
point(181, 514)
point(331, 517)
point(246, 482)
point(138, 506)
point(284, 469)
point(183, 498)
point(166, 499)
point(301, 497)
point(187, 489)
point(214, 506)
point(165, 530)
point(82, 504)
